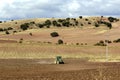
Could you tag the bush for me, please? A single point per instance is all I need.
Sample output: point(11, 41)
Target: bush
point(30, 34)
point(80, 17)
point(116, 41)
point(58, 25)
point(100, 43)
point(10, 28)
point(89, 22)
point(112, 19)
point(67, 19)
point(61, 20)
point(24, 26)
point(40, 25)
point(76, 23)
point(60, 41)
point(14, 31)
point(82, 25)
point(86, 19)
point(96, 25)
point(109, 25)
point(1, 30)
point(0, 21)
point(47, 23)
point(77, 43)
point(54, 23)
point(66, 23)
point(7, 32)
point(32, 22)
point(21, 40)
point(54, 34)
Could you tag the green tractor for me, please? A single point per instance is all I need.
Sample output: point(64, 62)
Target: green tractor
point(59, 60)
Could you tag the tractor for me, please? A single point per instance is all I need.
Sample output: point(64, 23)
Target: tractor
point(59, 60)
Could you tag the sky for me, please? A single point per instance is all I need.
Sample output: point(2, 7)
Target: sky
point(22, 9)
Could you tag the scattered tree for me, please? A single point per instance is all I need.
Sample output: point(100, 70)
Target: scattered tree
point(96, 25)
point(54, 34)
point(80, 17)
point(60, 41)
point(30, 34)
point(1, 30)
point(24, 26)
point(7, 32)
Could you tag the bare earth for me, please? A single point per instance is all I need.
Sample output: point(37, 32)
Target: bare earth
point(45, 69)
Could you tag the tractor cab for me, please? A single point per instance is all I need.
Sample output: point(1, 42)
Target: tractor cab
point(59, 60)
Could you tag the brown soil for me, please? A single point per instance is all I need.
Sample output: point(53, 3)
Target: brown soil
point(44, 69)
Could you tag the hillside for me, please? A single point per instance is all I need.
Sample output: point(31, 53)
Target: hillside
point(71, 30)
point(87, 41)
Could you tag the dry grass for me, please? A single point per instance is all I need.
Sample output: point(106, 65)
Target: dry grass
point(42, 50)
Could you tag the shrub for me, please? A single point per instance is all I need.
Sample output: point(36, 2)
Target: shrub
point(100, 43)
point(112, 19)
point(54, 23)
point(32, 22)
point(109, 25)
point(116, 41)
point(14, 31)
point(47, 22)
point(0, 21)
point(58, 25)
point(66, 23)
point(30, 34)
point(77, 43)
point(86, 19)
point(67, 19)
point(60, 41)
point(54, 34)
point(7, 32)
point(21, 40)
point(89, 22)
point(10, 28)
point(96, 25)
point(1, 30)
point(82, 25)
point(76, 23)
point(24, 26)
point(61, 20)
point(80, 17)
point(108, 41)
point(40, 25)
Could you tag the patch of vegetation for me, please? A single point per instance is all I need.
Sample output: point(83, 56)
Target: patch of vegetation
point(86, 19)
point(6, 32)
point(47, 23)
point(100, 43)
point(30, 34)
point(97, 25)
point(66, 23)
point(0, 21)
point(117, 40)
point(10, 28)
point(14, 31)
point(54, 34)
point(60, 41)
point(1, 30)
point(112, 19)
point(40, 25)
point(80, 17)
point(24, 26)
point(21, 40)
